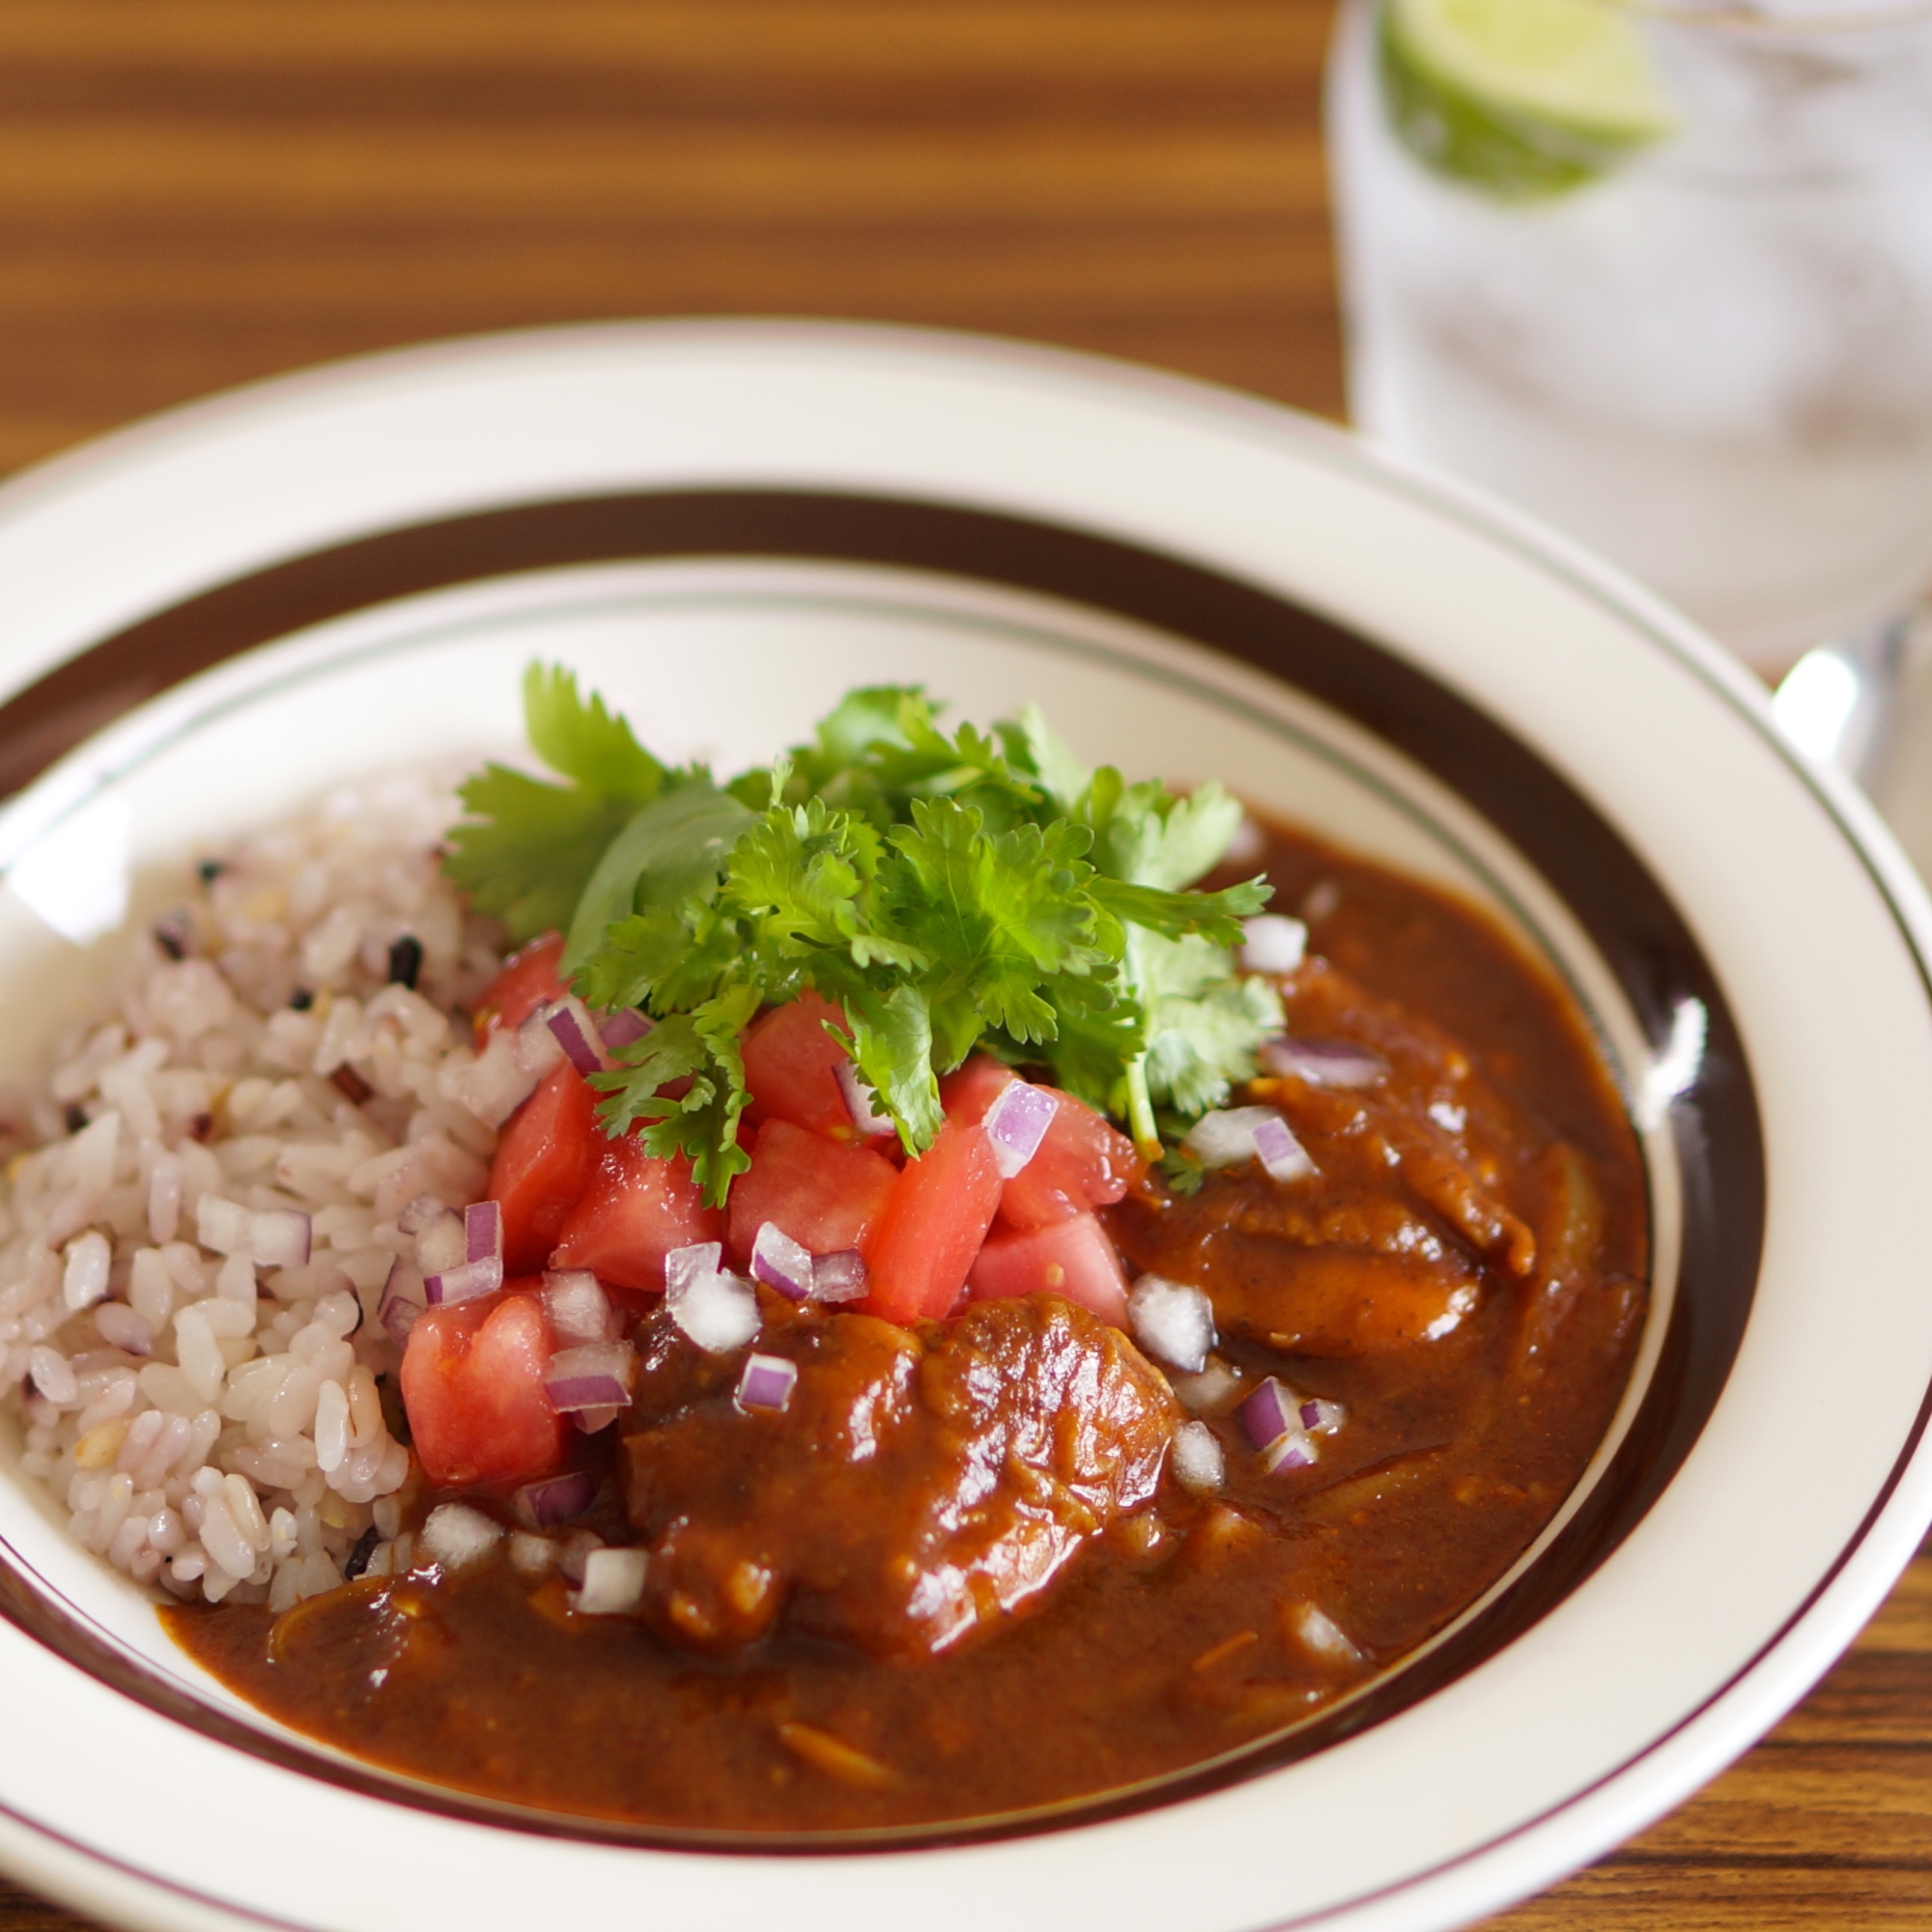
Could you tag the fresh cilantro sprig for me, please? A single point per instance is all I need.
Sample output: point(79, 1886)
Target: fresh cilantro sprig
point(950, 893)
point(526, 849)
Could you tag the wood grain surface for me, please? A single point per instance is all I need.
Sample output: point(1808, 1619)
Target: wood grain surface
point(197, 192)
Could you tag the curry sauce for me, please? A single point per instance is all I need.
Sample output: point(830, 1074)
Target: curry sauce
point(1462, 1279)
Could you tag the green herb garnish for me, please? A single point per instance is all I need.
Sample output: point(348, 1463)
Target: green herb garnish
point(950, 893)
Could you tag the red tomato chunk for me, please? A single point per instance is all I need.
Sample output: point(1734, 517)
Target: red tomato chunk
point(1074, 1258)
point(937, 1215)
point(473, 1382)
point(633, 1212)
point(1081, 1164)
point(827, 1196)
point(544, 1163)
point(529, 980)
point(789, 1062)
point(970, 1090)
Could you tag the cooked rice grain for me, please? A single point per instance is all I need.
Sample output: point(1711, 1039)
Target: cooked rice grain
point(205, 1407)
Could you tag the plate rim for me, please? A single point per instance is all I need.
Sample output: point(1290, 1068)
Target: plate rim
point(1855, 823)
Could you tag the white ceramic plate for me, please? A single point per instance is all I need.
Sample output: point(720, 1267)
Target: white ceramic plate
point(725, 525)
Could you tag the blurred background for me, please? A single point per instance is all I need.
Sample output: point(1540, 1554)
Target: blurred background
point(195, 193)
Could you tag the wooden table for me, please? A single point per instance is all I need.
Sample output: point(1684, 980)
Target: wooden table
point(202, 191)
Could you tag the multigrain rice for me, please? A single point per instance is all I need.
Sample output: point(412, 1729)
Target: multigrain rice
point(200, 1211)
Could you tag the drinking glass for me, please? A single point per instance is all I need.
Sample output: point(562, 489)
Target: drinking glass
point(1675, 300)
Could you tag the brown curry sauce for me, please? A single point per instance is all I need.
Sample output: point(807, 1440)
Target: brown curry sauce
point(1180, 1633)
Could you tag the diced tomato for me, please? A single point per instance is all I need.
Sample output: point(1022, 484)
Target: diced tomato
point(936, 1216)
point(967, 1092)
point(1081, 1164)
point(825, 1195)
point(633, 1212)
point(543, 1163)
point(789, 1060)
point(529, 980)
point(1070, 1258)
point(473, 1383)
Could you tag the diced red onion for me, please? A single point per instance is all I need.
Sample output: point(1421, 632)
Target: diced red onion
point(535, 1049)
point(1269, 1413)
point(466, 1283)
point(596, 1375)
point(613, 1584)
point(1321, 1634)
point(767, 1382)
point(683, 1266)
point(555, 1499)
point(574, 1551)
point(861, 1102)
point(497, 1082)
point(400, 1317)
point(279, 1237)
point(483, 1232)
point(1292, 1451)
point(1208, 1393)
point(1016, 1123)
point(1246, 844)
point(1320, 901)
point(780, 1263)
point(1226, 1137)
point(1196, 1459)
point(578, 1308)
point(625, 1026)
point(717, 1311)
point(399, 1310)
point(569, 1020)
point(222, 1224)
point(591, 1420)
point(569, 1394)
point(1172, 1320)
point(1273, 944)
point(419, 1213)
point(456, 1535)
point(442, 1243)
point(268, 1236)
point(1321, 1417)
point(1283, 1155)
point(1324, 1062)
point(840, 1277)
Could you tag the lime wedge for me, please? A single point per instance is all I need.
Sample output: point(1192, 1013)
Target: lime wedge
point(1523, 99)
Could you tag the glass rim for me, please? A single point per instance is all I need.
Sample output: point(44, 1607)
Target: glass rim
point(1748, 22)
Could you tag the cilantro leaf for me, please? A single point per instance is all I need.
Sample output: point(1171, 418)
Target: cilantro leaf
point(1205, 1022)
point(891, 1047)
point(882, 748)
point(668, 959)
point(527, 848)
point(1151, 838)
point(998, 915)
point(1037, 748)
point(701, 1046)
point(1100, 1035)
point(582, 740)
point(675, 846)
point(806, 875)
point(1214, 916)
point(1182, 1171)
